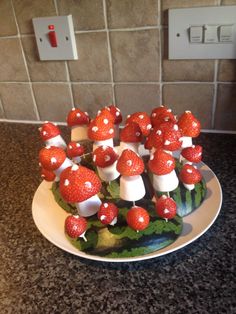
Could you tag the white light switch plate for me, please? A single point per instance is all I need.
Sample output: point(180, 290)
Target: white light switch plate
point(64, 29)
point(180, 21)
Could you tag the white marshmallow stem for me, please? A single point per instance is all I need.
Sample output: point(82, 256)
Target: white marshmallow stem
point(165, 183)
point(132, 146)
point(109, 173)
point(186, 141)
point(89, 207)
point(108, 142)
point(77, 159)
point(79, 133)
point(67, 163)
point(132, 188)
point(189, 186)
point(56, 141)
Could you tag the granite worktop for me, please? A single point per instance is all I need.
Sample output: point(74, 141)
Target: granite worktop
point(38, 277)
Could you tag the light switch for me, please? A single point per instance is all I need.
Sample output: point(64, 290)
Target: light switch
point(196, 34)
point(226, 33)
point(210, 34)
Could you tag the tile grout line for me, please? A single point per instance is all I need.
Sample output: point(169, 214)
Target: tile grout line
point(66, 67)
point(216, 65)
point(26, 65)
point(160, 53)
point(2, 108)
point(109, 51)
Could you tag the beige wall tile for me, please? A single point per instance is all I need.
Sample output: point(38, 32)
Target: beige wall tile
point(42, 71)
point(53, 100)
point(225, 114)
point(27, 9)
point(17, 101)
point(228, 2)
point(227, 70)
point(11, 61)
point(137, 97)
point(195, 97)
point(7, 20)
point(86, 14)
point(93, 62)
point(91, 97)
point(135, 55)
point(132, 13)
point(174, 4)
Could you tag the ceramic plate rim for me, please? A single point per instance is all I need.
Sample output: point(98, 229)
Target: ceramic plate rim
point(43, 204)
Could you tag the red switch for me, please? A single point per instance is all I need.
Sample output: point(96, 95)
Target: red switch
point(53, 38)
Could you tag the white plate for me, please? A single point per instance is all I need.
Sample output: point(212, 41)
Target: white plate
point(49, 217)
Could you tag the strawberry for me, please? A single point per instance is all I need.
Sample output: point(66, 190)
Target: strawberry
point(101, 128)
point(106, 113)
point(108, 213)
point(189, 174)
point(161, 114)
point(129, 163)
point(47, 175)
point(74, 149)
point(143, 120)
point(156, 137)
point(51, 157)
point(189, 125)
point(75, 226)
point(116, 114)
point(77, 117)
point(137, 218)
point(166, 207)
point(161, 163)
point(148, 142)
point(48, 131)
point(104, 156)
point(171, 136)
point(78, 183)
point(192, 153)
point(131, 133)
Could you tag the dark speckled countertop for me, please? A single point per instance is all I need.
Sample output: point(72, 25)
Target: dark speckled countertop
point(37, 277)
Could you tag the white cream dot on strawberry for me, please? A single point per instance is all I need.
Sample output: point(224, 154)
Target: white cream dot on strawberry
point(42, 176)
point(151, 157)
point(70, 147)
point(149, 126)
point(111, 131)
point(194, 123)
point(107, 158)
point(189, 171)
point(86, 113)
point(129, 162)
point(141, 219)
point(104, 147)
point(187, 111)
point(66, 182)
point(48, 147)
point(193, 146)
point(45, 121)
point(78, 115)
point(117, 113)
point(103, 217)
point(128, 116)
point(44, 132)
point(154, 115)
point(88, 184)
point(99, 111)
point(94, 128)
point(73, 109)
point(176, 127)
point(141, 116)
point(158, 132)
point(167, 142)
point(168, 110)
point(105, 121)
point(137, 134)
point(166, 119)
point(105, 205)
point(77, 145)
point(40, 165)
point(166, 211)
point(53, 160)
point(164, 197)
point(74, 167)
point(94, 158)
point(169, 162)
point(40, 129)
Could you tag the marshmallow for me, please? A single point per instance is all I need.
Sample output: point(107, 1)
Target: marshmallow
point(133, 146)
point(89, 207)
point(56, 141)
point(108, 142)
point(67, 163)
point(132, 188)
point(189, 186)
point(108, 173)
point(165, 183)
point(79, 133)
point(186, 141)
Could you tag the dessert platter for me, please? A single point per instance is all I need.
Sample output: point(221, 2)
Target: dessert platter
point(148, 196)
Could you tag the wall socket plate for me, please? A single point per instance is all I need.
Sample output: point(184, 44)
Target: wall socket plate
point(62, 29)
point(180, 22)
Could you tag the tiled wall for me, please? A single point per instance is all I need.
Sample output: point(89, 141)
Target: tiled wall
point(122, 59)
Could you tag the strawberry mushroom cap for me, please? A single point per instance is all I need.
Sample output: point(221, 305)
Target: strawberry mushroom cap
point(80, 185)
point(105, 158)
point(101, 131)
point(138, 218)
point(115, 111)
point(51, 135)
point(74, 151)
point(108, 213)
point(160, 115)
point(78, 121)
point(143, 120)
point(130, 166)
point(130, 137)
point(54, 159)
point(166, 207)
point(76, 227)
point(162, 165)
point(190, 127)
point(189, 176)
point(47, 175)
point(192, 154)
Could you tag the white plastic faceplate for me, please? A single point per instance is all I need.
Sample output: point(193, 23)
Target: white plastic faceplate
point(180, 22)
point(65, 37)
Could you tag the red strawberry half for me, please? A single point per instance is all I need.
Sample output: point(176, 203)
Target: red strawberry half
point(162, 114)
point(129, 163)
point(101, 128)
point(77, 117)
point(131, 133)
point(137, 218)
point(108, 213)
point(47, 175)
point(74, 149)
point(143, 120)
point(161, 163)
point(48, 131)
point(192, 153)
point(171, 136)
point(104, 156)
point(75, 226)
point(189, 125)
point(166, 207)
point(116, 114)
point(190, 175)
point(51, 157)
